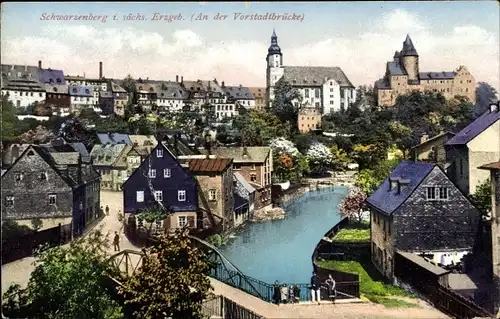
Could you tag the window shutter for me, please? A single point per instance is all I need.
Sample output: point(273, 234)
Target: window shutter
point(191, 222)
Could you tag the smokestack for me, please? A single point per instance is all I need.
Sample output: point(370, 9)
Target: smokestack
point(39, 64)
point(177, 78)
point(182, 79)
point(100, 70)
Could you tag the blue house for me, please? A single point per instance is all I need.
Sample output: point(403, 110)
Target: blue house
point(114, 138)
point(161, 182)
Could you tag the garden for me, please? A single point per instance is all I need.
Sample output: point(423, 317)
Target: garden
point(355, 232)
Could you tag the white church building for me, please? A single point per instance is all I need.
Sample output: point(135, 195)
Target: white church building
point(325, 88)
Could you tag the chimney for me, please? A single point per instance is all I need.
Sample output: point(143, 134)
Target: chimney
point(39, 64)
point(424, 138)
point(223, 85)
point(182, 79)
point(208, 144)
point(401, 184)
point(177, 78)
point(245, 151)
point(393, 183)
point(100, 70)
point(494, 107)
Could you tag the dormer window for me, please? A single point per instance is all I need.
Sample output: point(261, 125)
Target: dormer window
point(19, 177)
point(18, 74)
point(58, 80)
point(43, 176)
point(51, 81)
point(151, 89)
point(140, 88)
point(55, 89)
point(87, 91)
point(75, 90)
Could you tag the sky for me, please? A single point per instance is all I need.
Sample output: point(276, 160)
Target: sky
point(359, 37)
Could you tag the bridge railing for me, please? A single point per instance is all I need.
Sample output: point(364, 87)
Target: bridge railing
point(223, 307)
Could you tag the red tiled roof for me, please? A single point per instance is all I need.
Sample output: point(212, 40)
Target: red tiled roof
point(209, 165)
point(494, 166)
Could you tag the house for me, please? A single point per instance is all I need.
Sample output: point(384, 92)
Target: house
point(431, 149)
point(50, 76)
point(171, 96)
point(494, 169)
point(309, 119)
point(55, 187)
point(161, 182)
point(255, 165)
point(120, 98)
point(111, 162)
point(106, 102)
point(419, 210)
point(259, 94)
point(114, 138)
point(57, 95)
point(81, 97)
point(215, 187)
point(21, 84)
point(146, 93)
point(246, 192)
point(241, 95)
point(143, 140)
point(476, 145)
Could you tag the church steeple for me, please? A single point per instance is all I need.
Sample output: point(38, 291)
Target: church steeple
point(274, 48)
point(408, 47)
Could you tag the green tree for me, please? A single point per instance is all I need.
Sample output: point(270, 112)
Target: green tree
point(68, 282)
point(482, 197)
point(401, 135)
point(259, 127)
point(283, 105)
point(9, 120)
point(485, 94)
point(340, 159)
point(36, 224)
point(368, 180)
point(172, 280)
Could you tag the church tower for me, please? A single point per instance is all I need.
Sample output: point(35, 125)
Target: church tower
point(274, 69)
point(409, 59)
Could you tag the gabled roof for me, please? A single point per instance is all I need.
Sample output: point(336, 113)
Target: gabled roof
point(209, 165)
point(314, 75)
point(491, 166)
point(387, 201)
point(106, 155)
point(114, 138)
point(475, 128)
point(258, 92)
point(250, 154)
point(143, 140)
point(238, 92)
point(394, 68)
point(434, 138)
point(115, 88)
point(51, 76)
point(238, 201)
point(238, 177)
point(436, 75)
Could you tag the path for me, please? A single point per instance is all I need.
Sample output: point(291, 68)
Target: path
point(342, 309)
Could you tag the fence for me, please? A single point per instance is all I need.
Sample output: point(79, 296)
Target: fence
point(223, 307)
point(24, 246)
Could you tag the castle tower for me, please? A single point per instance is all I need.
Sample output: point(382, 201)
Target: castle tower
point(409, 59)
point(274, 69)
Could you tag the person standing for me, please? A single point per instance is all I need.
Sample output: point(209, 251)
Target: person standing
point(116, 242)
point(276, 293)
point(330, 283)
point(315, 288)
point(107, 210)
point(284, 293)
point(291, 294)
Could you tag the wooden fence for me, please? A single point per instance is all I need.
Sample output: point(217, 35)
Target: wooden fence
point(223, 307)
point(24, 246)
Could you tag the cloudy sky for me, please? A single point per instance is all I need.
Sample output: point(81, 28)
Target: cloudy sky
point(358, 37)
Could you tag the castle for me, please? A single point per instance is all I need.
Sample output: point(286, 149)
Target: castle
point(402, 75)
point(326, 89)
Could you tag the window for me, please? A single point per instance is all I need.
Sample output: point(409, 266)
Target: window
point(19, 177)
point(152, 173)
point(254, 167)
point(443, 193)
point(317, 104)
point(167, 173)
point(182, 221)
point(139, 196)
point(431, 193)
point(331, 102)
point(212, 194)
point(43, 176)
point(316, 93)
point(159, 152)
point(306, 92)
point(9, 201)
point(159, 224)
point(253, 177)
point(52, 199)
point(331, 90)
point(181, 196)
point(158, 196)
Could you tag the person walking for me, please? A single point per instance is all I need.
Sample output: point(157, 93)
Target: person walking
point(116, 242)
point(107, 210)
point(315, 288)
point(276, 293)
point(296, 292)
point(284, 293)
point(330, 284)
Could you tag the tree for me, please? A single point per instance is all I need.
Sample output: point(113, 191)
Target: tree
point(286, 102)
point(482, 198)
point(402, 136)
point(9, 120)
point(36, 224)
point(319, 157)
point(172, 280)
point(485, 94)
point(352, 205)
point(73, 130)
point(257, 128)
point(68, 282)
point(340, 159)
point(38, 136)
point(287, 160)
point(368, 180)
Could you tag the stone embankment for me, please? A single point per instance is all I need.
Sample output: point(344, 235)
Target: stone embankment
point(268, 214)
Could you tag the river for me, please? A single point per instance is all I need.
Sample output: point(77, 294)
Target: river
point(281, 249)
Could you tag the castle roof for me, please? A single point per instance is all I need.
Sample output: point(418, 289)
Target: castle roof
point(408, 48)
point(396, 54)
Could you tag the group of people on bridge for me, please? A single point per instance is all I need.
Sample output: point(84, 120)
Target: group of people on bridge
point(284, 294)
